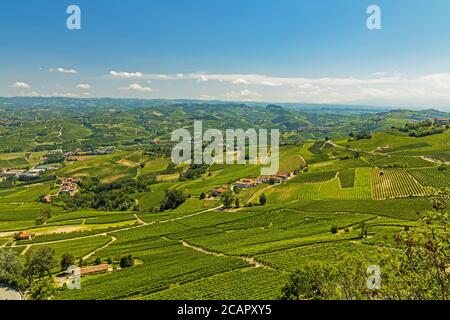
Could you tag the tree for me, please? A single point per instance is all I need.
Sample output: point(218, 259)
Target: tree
point(67, 260)
point(172, 200)
point(227, 198)
point(237, 202)
point(263, 199)
point(39, 263)
point(334, 229)
point(309, 282)
point(364, 231)
point(419, 269)
point(43, 289)
point(11, 270)
point(202, 196)
point(98, 261)
point(415, 267)
point(44, 214)
point(126, 261)
point(345, 280)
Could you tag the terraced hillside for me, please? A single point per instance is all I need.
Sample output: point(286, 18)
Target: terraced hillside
point(344, 197)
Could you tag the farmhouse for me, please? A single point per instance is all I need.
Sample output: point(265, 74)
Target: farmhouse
point(69, 185)
point(47, 199)
point(46, 167)
point(94, 269)
point(28, 175)
point(284, 176)
point(36, 171)
point(218, 191)
point(103, 151)
point(24, 236)
point(11, 173)
point(276, 179)
point(246, 183)
point(55, 152)
point(263, 179)
point(442, 121)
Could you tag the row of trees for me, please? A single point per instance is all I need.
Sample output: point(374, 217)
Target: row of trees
point(360, 135)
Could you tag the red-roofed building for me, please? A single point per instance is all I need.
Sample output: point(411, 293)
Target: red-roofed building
point(218, 191)
point(24, 236)
point(94, 269)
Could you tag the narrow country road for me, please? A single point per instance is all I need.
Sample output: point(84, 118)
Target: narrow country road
point(250, 260)
point(113, 239)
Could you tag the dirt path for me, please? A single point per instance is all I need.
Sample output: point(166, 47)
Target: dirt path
point(250, 260)
point(434, 160)
point(140, 220)
point(113, 239)
point(334, 144)
point(256, 194)
point(190, 246)
point(187, 216)
point(25, 250)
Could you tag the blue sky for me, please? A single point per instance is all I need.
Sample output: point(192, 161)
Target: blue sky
point(264, 50)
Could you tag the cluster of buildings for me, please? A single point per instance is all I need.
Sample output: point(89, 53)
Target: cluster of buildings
point(24, 174)
point(80, 152)
point(68, 185)
point(442, 121)
point(275, 179)
point(21, 173)
point(247, 183)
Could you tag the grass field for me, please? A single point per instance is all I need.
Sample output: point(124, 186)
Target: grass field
point(396, 183)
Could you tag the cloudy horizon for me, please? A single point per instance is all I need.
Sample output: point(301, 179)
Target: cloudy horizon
point(311, 52)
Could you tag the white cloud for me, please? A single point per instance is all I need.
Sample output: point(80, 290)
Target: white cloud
point(245, 95)
point(62, 70)
point(250, 79)
point(84, 86)
point(65, 94)
point(126, 75)
point(202, 78)
point(379, 88)
point(21, 85)
point(136, 87)
point(240, 81)
point(379, 73)
point(270, 84)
